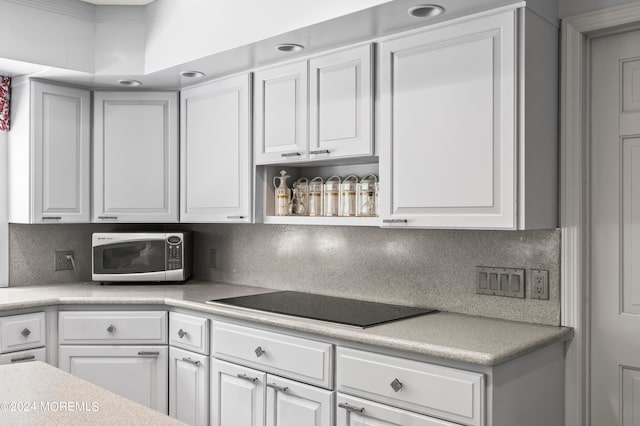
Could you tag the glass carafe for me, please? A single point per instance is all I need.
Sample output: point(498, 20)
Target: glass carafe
point(298, 205)
point(282, 194)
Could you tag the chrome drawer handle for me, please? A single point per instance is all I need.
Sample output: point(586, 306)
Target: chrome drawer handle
point(290, 154)
point(111, 328)
point(181, 333)
point(259, 351)
point(278, 388)
point(51, 217)
point(108, 217)
point(350, 408)
point(235, 217)
point(24, 358)
point(191, 361)
point(249, 378)
point(149, 353)
point(26, 332)
point(319, 151)
point(396, 385)
point(395, 221)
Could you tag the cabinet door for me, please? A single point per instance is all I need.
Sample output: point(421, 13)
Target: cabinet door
point(60, 121)
point(135, 157)
point(291, 403)
point(448, 131)
point(237, 395)
point(139, 373)
point(340, 104)
point(360, 412)
point(215, 152)
point(280, 130)
point(188, 386)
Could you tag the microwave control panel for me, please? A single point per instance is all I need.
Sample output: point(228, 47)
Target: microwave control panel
point(174, 253)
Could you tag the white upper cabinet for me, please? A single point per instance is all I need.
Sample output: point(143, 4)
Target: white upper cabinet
point(49, 149)
point(135, 157)
point(452, 118)
point(280, 126)
point(341, 104)
point(215, 152)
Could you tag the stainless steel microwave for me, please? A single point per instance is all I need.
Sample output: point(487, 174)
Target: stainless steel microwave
point(143, 256)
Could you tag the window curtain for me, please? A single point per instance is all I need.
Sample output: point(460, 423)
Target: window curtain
point(5, 95)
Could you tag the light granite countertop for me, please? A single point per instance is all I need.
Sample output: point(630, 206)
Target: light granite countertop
point(476, 340)
point(35, 393)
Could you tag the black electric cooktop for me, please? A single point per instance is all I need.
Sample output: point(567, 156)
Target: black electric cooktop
point(352, 312)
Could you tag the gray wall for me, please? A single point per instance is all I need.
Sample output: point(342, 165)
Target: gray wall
point(434, 268)
point(576, 7)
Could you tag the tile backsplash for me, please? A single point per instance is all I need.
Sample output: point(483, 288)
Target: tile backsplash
point(432, 268)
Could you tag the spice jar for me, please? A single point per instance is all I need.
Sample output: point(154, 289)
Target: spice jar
point(348, 193)
point(332, 196)
point(368, 196)
point(282, 194)
point(315, 197)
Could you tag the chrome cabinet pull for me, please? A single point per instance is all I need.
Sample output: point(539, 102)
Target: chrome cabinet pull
point(149, 353)
point(350, 408)
point(24, 358)
point(51, 217)
point(108, 217)
point(181, 333)
point(396, 385)
point(235, 217)
point(259, 351)
point(249, 378)
point(319, 151)
point(278, 388)
point(191, 361)
point(111, 328)
point(290, 154)
point(26, 332)
point(395, 221)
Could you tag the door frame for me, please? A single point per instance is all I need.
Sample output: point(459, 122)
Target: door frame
point(577, 32)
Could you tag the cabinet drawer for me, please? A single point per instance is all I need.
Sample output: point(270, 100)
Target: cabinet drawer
point(189, 332)
point(108, 327)
point(301, 359)
point(442, 392)
point(19, 332)
point(39, 354)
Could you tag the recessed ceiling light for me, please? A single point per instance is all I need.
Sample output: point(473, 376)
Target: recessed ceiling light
point(192, 74)
point(289, 47)
point(130, 83)
point(425, 10)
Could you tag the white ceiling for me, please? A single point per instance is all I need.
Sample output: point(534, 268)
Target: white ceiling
point(119, 2)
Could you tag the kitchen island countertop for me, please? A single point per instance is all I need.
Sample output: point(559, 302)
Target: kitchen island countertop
point(35, 393)
point(457, 337)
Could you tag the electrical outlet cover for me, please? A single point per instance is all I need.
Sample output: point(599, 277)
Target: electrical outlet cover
point(539, 284)
point(61, 261)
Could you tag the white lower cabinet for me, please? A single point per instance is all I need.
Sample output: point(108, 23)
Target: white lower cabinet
point(243, 396)
point(135, 372)
point(354, 411)
point(290, 403)
point(188, 386)
point(237, 395)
